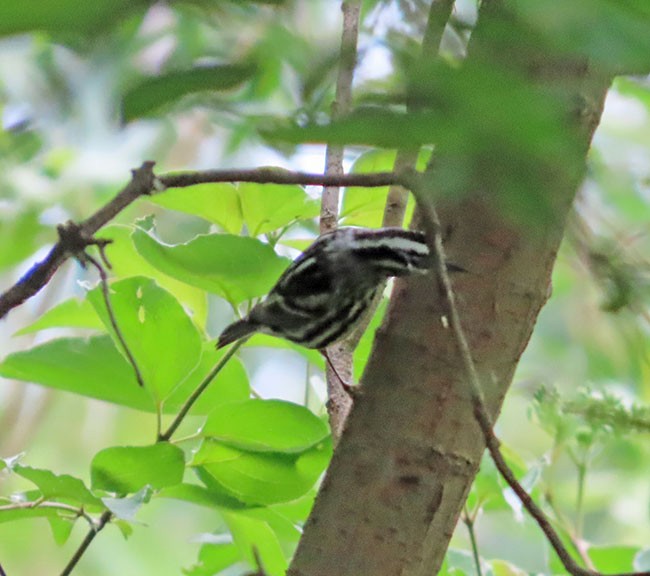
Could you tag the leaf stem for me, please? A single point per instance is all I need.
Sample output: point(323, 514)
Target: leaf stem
point(165, 436)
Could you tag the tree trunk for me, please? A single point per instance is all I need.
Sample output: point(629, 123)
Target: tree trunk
point(411, 447)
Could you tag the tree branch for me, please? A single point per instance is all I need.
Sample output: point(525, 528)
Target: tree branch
point(75, 238)
point(143, 182)
point(278, 176)
point(104, 519)
point(339, 355)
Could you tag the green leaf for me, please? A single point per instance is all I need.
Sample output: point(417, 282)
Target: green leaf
point(124, 526)
point(218, 203)
point(161, 337)
point(72, 313)
point(460, 562)
point(260, 478)
point(267, 207)
point(233, 267)
point(364, 348)
point(126, 508)
point(127, 469)
point(365, 206)
point(91, 367)
point(127, 262)
point(296, 511)
point(65, 16)
point(13, 514)
point(213, 559)
point(613, 559)
point(152, 94)
point(256, 537)
point(285, 529)
point(214, 497)
point(61, 528)
point(230, 385)
point(611, 33)
point(268, 341)
point(503, 568)
point(59, 487)
point(265, 426)
point(373, 126)
point(486, 492)
point(529, 480)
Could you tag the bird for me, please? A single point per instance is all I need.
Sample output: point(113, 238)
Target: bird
point(327, 290)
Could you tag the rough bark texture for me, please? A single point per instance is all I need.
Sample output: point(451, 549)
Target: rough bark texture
point(411, 447)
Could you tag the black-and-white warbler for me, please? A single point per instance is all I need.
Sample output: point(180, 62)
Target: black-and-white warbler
point(327, 290)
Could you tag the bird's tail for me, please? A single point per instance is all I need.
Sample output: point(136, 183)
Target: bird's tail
point(236, 331)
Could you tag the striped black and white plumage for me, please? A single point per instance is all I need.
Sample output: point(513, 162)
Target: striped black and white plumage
point(326, 291)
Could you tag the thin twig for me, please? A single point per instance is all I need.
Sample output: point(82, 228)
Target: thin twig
point(334, 154)
point(77, 511)
point(199, 390)
point(339, 355)
point(470, 521)
point(143, 182)
point(278, 176)
point(432, 228)
point(258, 562)
point(111, 317)
point(397, 199)
point(103, 520)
